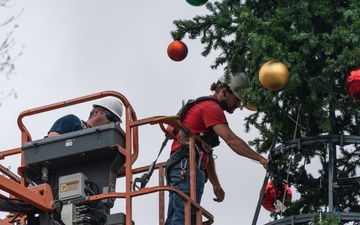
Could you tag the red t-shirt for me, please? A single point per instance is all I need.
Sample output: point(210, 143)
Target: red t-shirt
point(200, 118)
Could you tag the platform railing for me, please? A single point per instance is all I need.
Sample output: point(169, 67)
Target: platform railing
point(40, 195)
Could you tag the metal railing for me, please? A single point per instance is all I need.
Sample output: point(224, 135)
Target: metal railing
point(41, 197)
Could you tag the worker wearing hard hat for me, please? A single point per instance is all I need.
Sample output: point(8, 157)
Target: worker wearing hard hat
point(207, 118)
point(106, 110)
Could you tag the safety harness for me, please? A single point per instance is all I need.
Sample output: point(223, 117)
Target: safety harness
point(209, 137)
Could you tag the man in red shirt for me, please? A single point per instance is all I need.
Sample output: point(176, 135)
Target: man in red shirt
point(206, 117)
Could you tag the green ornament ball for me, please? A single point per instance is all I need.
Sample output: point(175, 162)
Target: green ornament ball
point(197, 2)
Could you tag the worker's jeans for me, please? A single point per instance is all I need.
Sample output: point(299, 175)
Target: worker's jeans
point(176, 209)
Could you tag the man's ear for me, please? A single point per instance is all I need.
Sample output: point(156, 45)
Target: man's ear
point(96, 111)
point(224, 92)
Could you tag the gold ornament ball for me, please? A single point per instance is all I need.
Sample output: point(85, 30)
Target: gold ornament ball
point(273, 75)
point(250, 107)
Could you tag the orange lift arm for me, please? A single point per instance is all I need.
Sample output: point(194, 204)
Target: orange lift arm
point(41, 196)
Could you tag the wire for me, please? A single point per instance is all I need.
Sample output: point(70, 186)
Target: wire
point(13, 220)
point(292, 150)
point(102, 216)
point(19, 205)
point(92, 218)
point(93, 183)
point(304, 128)
point(61, 204)
point(57, 218)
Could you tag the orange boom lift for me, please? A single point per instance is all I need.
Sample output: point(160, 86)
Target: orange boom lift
point(71, 178)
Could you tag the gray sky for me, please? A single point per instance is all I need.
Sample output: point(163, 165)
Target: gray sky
point(76, 48)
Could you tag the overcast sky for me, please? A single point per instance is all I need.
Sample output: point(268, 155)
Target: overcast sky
point(75, 48)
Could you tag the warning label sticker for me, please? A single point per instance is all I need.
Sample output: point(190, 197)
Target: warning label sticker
point(69, 186)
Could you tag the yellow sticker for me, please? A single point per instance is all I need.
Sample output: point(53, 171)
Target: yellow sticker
point(69, 186)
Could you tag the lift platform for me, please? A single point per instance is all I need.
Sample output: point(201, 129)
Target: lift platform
point(71, 178)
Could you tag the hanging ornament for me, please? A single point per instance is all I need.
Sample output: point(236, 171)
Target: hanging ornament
point(275, 193)
point(273, 75)
point(197, 2)
point(250, 107)
point(177, 50)
point(353, 84)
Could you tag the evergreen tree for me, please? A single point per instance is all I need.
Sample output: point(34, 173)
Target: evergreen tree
point(319, 42)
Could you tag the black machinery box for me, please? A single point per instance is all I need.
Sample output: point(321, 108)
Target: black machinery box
point(78, 146)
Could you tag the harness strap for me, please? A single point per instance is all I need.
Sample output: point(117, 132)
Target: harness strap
point(179, 155)
point(144, 179)
point(84, 125)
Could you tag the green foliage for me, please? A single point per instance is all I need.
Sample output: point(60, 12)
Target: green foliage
point(319, 42)
point(331, 219)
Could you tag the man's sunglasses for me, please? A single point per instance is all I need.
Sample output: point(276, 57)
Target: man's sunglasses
point(110, 116)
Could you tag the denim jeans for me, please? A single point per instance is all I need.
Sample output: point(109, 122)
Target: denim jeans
point(176, 210)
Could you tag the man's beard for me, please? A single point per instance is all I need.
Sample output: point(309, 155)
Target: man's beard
point(223, 104)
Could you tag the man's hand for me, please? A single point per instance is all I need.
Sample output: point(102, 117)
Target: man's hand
point(219, 193)
point(264, 162)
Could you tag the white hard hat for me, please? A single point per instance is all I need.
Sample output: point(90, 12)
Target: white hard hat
point(238, 80)
point(112, 104)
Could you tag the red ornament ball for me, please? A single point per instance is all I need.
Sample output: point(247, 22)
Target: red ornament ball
point(269, 199)
point(353, 84)
point(177, 50)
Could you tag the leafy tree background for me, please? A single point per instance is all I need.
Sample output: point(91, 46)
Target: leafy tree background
point(319, 42)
